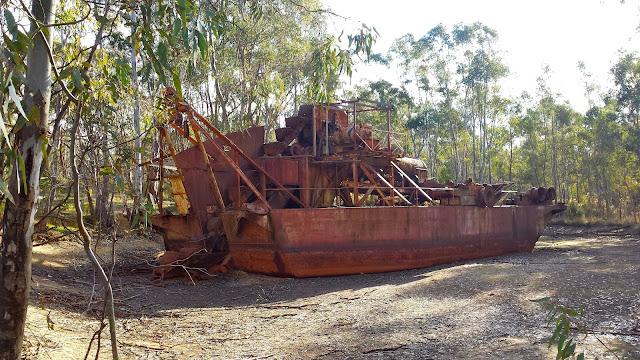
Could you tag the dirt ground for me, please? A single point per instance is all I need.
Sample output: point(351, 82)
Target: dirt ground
point(473, 309)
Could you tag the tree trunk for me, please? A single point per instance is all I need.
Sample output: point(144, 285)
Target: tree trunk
point(137, 170)
point(53, 149)
point(86, 239)
point(104, 214)
point(17, 223)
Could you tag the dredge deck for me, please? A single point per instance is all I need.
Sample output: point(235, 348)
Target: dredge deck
point(326, 198)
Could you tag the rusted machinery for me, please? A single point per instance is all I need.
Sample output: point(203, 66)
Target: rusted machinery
point(328, 197)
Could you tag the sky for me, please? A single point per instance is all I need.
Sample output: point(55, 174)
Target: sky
point(558, 33)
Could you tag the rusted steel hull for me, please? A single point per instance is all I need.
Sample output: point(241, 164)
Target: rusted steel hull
point(328, 199)
point(339, 241)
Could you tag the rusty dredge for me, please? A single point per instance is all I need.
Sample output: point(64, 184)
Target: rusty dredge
point(329, 197)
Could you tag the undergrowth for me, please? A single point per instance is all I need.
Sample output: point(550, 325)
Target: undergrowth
point(565, 320)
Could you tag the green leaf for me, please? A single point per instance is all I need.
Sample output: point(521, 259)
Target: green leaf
point(101, 19)
point(119, 182)
point(177, 84)
point(185, 39)
point(4, 130)
point(11, 23)
point(24, 41)
point(177, 27)
point(65, 73)
point(556, 333)
point(202, 44)
point(77, 79)
point(183, 10)
point(162, 54)
point(43, 147)
point(5, 190)
point(16, 99)
point(568, 311)
point(10, 45)
point(19, 124)
point(165, 35)
point(134, 221)
point(24, 173)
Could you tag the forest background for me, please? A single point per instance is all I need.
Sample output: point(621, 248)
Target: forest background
point(250, 63)
point(80, 98)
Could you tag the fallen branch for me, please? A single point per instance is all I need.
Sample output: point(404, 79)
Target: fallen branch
point(390, 348)
point(277, 316)
point(150, 346)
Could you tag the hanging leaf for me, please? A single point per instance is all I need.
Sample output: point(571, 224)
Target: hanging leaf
point(77, 79)
point(177, 84)
point(183, 10)
point(4, 131)
point(16, 99)
point(202, 44)
point(185, 39)
point(162, 54)
point(177, 27)
point(11, 23)
point(24, 174)
point(102, 19)
point(65, 73)
point(119, 182)
point(44, 141)
point(134, 221)
point(5, 190)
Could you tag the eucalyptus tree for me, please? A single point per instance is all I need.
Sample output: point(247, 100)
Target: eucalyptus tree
point(424, 64)
point(528, 171)
point(626, 74)
point(385, 92)
point(481, 70)
point(591, 87)
point(603, 136)
point(25, 152)
point(454, 74)
point(409, 53)
point(401, 103)
point(626, 93)
point(25, 144)
point(259, 62)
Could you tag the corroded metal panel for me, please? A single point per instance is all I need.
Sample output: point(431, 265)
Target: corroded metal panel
point(321, 242)
point(196, 180)
point(177, 230)
point(285, 170)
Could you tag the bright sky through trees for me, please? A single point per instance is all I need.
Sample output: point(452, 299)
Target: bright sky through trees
point(531, 34)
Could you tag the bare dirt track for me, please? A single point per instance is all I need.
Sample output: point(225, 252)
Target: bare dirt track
point(476, 309)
